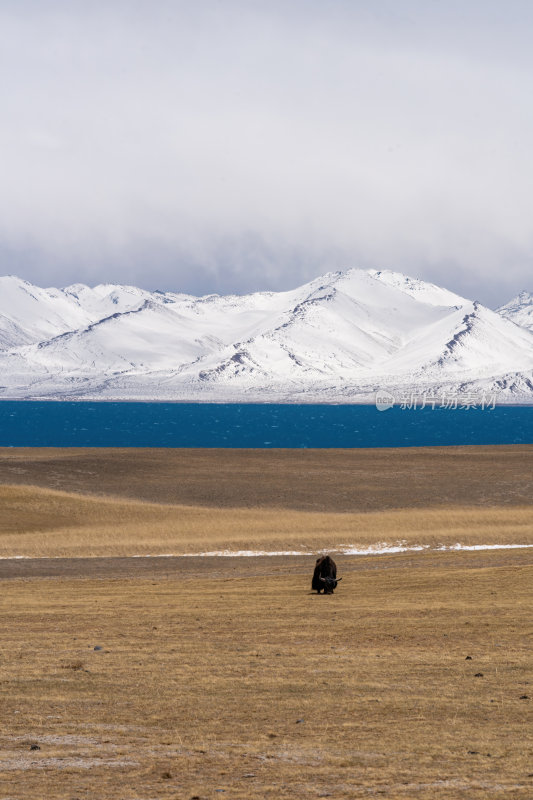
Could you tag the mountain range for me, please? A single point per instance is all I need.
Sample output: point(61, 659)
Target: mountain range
point(340, 338)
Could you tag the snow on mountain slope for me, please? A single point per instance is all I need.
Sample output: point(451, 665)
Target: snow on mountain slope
point(12, 335)
point(338, 337)
point(153, 336)
point(342, 323)
point(469, 339)
point(167, 331)
point(421, 290)
point(105, 299)
point(519, 310)
point(30, 314)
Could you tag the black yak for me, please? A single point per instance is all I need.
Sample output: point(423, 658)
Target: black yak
point(325, 575)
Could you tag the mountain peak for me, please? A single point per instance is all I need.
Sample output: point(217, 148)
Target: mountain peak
point(337, 338)
point(519, 310)
point(418, 288)
point(15, 280)
point(525, 297)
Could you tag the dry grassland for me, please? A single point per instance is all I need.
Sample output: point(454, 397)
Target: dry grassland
point(304, 480)
point(39, 522)
point(220, 677)
point(218, 687)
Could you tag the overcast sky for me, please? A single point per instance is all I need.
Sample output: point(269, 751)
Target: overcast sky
point(230, 146)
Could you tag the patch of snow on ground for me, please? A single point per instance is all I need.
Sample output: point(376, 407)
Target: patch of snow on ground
point(344, 550)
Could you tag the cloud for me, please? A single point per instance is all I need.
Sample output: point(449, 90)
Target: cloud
point(232, 146)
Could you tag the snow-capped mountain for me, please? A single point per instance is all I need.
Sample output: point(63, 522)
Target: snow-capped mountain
point(29, 314)
point(341, 337)
point(519, 310)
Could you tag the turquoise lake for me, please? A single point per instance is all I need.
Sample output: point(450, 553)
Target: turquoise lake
point(105, 424)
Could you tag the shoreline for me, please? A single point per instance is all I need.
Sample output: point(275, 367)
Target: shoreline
point(236, 402)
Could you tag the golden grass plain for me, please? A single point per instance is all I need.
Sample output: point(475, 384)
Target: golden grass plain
point(221, 686)
point(40, 523)
point(218, 681)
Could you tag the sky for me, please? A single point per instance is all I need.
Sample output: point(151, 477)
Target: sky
point(240, 145)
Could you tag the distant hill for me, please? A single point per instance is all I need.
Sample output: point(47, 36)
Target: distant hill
point(339, 338)
point(519, 310)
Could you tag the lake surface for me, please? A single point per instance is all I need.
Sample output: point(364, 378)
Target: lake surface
point(86, 424)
